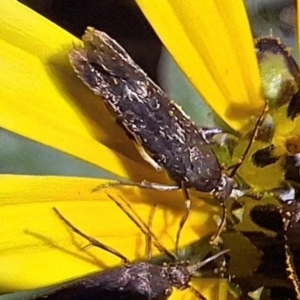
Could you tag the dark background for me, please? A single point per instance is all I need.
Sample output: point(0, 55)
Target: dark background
point(121, 19)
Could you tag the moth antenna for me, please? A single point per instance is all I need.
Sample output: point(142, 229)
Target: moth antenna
point(143, 227)
point(91, 240)
point(194, 267)
point(148, 236)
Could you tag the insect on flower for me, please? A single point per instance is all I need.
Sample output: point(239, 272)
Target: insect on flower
point(141, 280)
point(165, 136)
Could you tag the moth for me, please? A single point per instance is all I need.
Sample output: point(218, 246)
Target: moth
point(141, 280)
point(165, 136)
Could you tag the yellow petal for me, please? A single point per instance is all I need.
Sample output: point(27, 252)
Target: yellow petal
point(37, 249)
point(41, 98)
point(298, 25)
point(212, 43)
point(214, 289)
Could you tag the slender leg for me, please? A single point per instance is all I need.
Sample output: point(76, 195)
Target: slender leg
point(215, 238)
point(144, 184)
point(148, 236)
point(142, 226)
point(184, 217)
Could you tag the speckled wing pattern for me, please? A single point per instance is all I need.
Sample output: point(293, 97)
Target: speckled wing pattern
point(164, 131)
point(141, 281)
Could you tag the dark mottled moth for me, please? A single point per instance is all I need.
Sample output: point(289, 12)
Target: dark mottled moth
point(140, 281)
point(166, 137)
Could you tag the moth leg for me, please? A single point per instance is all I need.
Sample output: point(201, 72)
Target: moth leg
point(215, 238)
point(185, 216)
point(148, 236)
point(144, 184)
point(91, 240)
point(159, 186)
point(136, 219)
point(234, 195)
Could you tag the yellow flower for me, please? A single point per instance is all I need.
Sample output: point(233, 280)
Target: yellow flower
point(212, 43)
point(41, 99)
